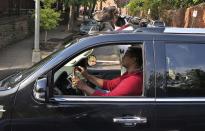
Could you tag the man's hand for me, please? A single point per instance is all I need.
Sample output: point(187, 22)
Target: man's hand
point(75, 81)
point(81, 85)
point(82, 71)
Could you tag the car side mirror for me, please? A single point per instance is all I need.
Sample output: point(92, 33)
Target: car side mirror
point(39, 91)
point(92, 60)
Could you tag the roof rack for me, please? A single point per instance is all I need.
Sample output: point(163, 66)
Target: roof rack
point(150, 29)
point(184, 30)
point(170, 30)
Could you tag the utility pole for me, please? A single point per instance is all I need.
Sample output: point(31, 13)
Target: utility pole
point(36, 56)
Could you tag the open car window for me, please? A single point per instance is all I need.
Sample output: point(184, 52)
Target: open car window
point(68, 67)
point(79, 57)
point(108, 66)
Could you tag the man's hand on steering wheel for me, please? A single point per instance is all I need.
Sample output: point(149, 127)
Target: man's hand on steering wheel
point(77, 81)
point(81, 70)
point(80, 83)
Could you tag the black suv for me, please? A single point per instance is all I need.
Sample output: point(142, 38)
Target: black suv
point(42, 97)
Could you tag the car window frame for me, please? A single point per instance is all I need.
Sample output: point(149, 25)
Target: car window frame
point(143, 98)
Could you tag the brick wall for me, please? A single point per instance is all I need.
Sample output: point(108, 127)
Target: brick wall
point(199, 20)
point(4, 5)
point(184, 17)
point(15, 29)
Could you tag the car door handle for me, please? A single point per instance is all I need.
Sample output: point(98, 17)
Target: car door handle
point(130, 120)
point(2, 109)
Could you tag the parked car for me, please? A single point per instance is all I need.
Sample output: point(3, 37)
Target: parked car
point(156, 23)
point(42, 97)
point(89, 25)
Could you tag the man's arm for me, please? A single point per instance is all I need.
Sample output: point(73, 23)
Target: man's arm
point(130, 86)
point(91, 78)
point(84, 87)
point(97, 81)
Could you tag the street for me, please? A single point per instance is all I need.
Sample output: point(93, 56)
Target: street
point(7, 72)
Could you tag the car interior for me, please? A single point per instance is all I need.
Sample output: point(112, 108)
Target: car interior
point(103, 62)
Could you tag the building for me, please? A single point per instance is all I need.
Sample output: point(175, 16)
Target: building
point(15, 7)
point(16, 22)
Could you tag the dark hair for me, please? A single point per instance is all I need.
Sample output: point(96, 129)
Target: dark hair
point(143, 24)
point(137, 53)
point(120, 21)
point(106, 15)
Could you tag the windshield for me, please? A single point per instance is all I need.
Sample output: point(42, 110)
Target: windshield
point(12, 80)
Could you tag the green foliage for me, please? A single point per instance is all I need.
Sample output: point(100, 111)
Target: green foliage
point(48, 3)
point(49, 18)
point(73, 2)
point(157, 6)
point(182, 3)
point(121, 3)
point(135, 6)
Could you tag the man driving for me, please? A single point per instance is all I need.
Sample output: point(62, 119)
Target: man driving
point(129, 84)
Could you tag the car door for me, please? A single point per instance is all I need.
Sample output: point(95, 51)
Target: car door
point(180, 86)
point(76, 113)
point(109, 113)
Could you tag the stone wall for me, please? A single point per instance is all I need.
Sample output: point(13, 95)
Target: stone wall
point(199, 20)
point(183, 17)
point(14, 29)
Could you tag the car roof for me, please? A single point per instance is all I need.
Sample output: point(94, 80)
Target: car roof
point(164, 30)
point(171, 30)
point(142, 36)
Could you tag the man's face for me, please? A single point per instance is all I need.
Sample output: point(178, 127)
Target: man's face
point(127, 60)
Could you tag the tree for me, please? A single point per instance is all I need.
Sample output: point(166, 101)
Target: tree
point(121, 3)
point(101, 3)
point(135, 6)
point(157, 7)
point(91, 4)
point(185, 3)
point(71, 4)
point(49, 18)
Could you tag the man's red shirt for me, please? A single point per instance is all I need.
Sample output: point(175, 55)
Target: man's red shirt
point(125, 85)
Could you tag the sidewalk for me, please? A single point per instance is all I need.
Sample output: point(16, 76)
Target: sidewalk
point(19, 55)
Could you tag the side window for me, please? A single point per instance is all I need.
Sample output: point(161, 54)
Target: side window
point(108, 66)
point(185, 69)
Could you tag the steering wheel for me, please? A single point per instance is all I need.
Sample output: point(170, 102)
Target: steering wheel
point(63, 85)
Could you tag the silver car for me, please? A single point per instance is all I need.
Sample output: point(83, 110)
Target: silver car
point(156, 23)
